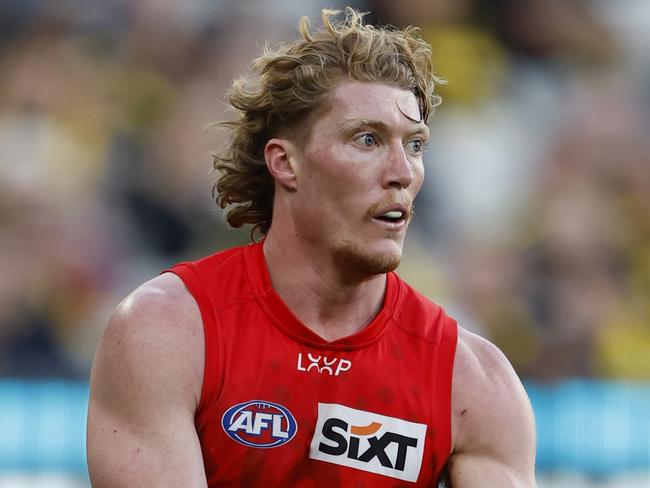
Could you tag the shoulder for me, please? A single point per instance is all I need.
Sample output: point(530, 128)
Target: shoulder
point(144, 390)
point(161, 308)
point(477, 358)
point(161, 296)
point(490, 408)
point(154, 339)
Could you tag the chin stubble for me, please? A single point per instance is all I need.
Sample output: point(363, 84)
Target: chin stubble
point(355, 263)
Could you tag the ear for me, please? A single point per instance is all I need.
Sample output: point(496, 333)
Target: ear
point(279, 155)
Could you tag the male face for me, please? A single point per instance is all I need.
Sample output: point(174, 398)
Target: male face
point(358, 176)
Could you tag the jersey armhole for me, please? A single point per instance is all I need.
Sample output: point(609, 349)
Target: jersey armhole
point(445, 369)
point(211, 383)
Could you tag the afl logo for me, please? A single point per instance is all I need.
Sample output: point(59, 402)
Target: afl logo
point(259, 424)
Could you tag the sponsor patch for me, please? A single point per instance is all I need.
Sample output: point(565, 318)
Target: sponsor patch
point(322, 364)
point(259, 423)
point(368, 441)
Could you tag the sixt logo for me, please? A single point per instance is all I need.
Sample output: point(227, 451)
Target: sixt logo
point(368, 441)
point(259, 424)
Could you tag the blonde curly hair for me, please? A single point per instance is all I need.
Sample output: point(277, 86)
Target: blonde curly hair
point(292, 82)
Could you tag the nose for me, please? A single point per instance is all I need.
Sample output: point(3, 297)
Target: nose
point(399, 172)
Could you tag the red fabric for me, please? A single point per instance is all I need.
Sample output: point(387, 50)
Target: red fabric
point(398, 367)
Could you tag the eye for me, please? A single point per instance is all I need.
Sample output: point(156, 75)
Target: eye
point(416, 146)
point(368, 139)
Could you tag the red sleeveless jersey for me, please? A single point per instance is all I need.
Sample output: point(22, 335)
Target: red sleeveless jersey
point(282, 407)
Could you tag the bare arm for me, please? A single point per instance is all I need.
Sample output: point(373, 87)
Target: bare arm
point(492, 420)
point(145, 387)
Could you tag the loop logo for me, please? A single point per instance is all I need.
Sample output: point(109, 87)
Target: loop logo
point(368, 441)
point(259, 424)
point(331, 366)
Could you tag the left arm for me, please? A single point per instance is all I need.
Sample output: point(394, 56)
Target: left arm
point(492, 420)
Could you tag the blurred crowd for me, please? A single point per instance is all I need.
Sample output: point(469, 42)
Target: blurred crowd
point(533, 227)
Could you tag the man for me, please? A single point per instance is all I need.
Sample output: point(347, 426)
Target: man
point(303, 360)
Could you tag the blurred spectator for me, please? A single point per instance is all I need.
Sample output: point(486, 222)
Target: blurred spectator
point(533, 226)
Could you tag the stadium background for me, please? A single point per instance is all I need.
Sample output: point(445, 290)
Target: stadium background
point(533, 227)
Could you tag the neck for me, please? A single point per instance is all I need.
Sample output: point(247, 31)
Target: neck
point(307, 280)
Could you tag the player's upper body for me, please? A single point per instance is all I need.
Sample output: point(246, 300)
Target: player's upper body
point(326, 161)
point(282, 406)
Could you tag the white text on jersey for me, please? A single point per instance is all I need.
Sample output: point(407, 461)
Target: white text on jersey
point(323, 364)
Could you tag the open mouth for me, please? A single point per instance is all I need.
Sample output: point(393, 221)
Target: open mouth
point(392, 216)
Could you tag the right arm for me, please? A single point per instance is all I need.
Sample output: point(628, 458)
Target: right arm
point(145, 387)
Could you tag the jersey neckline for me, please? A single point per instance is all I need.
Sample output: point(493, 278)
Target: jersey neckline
point(289, 324)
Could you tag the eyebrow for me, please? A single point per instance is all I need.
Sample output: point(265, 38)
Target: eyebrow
point(381, 126)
